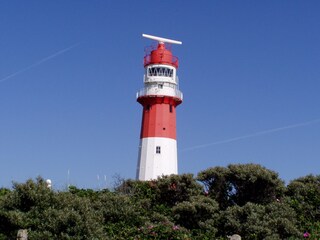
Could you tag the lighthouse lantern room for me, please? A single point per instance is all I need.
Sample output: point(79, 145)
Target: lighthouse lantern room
point(159, 99)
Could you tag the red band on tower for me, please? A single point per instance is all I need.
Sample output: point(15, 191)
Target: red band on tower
point(159, 117)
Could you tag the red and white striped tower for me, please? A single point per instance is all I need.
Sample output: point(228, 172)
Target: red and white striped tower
point(159, 98)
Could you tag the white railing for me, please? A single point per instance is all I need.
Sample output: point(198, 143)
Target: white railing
point(147, 78)
point(173, 93)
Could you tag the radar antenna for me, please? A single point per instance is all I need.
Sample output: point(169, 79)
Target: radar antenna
point(161, 40)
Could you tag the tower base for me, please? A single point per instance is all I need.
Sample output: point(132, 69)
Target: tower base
point(157, 157)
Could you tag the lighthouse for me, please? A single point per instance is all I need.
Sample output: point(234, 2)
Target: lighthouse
point(159, 98)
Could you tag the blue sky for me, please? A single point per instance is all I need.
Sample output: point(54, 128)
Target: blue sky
point(69, 72)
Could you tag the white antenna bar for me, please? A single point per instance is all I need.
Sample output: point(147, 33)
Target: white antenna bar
point(161, 40)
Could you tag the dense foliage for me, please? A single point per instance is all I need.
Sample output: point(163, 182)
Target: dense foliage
point(246, 199)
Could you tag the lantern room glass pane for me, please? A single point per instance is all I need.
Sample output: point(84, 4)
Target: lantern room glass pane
point(160, 71)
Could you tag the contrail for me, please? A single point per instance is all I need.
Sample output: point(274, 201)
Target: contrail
point(39, 62)
point(253, 135)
